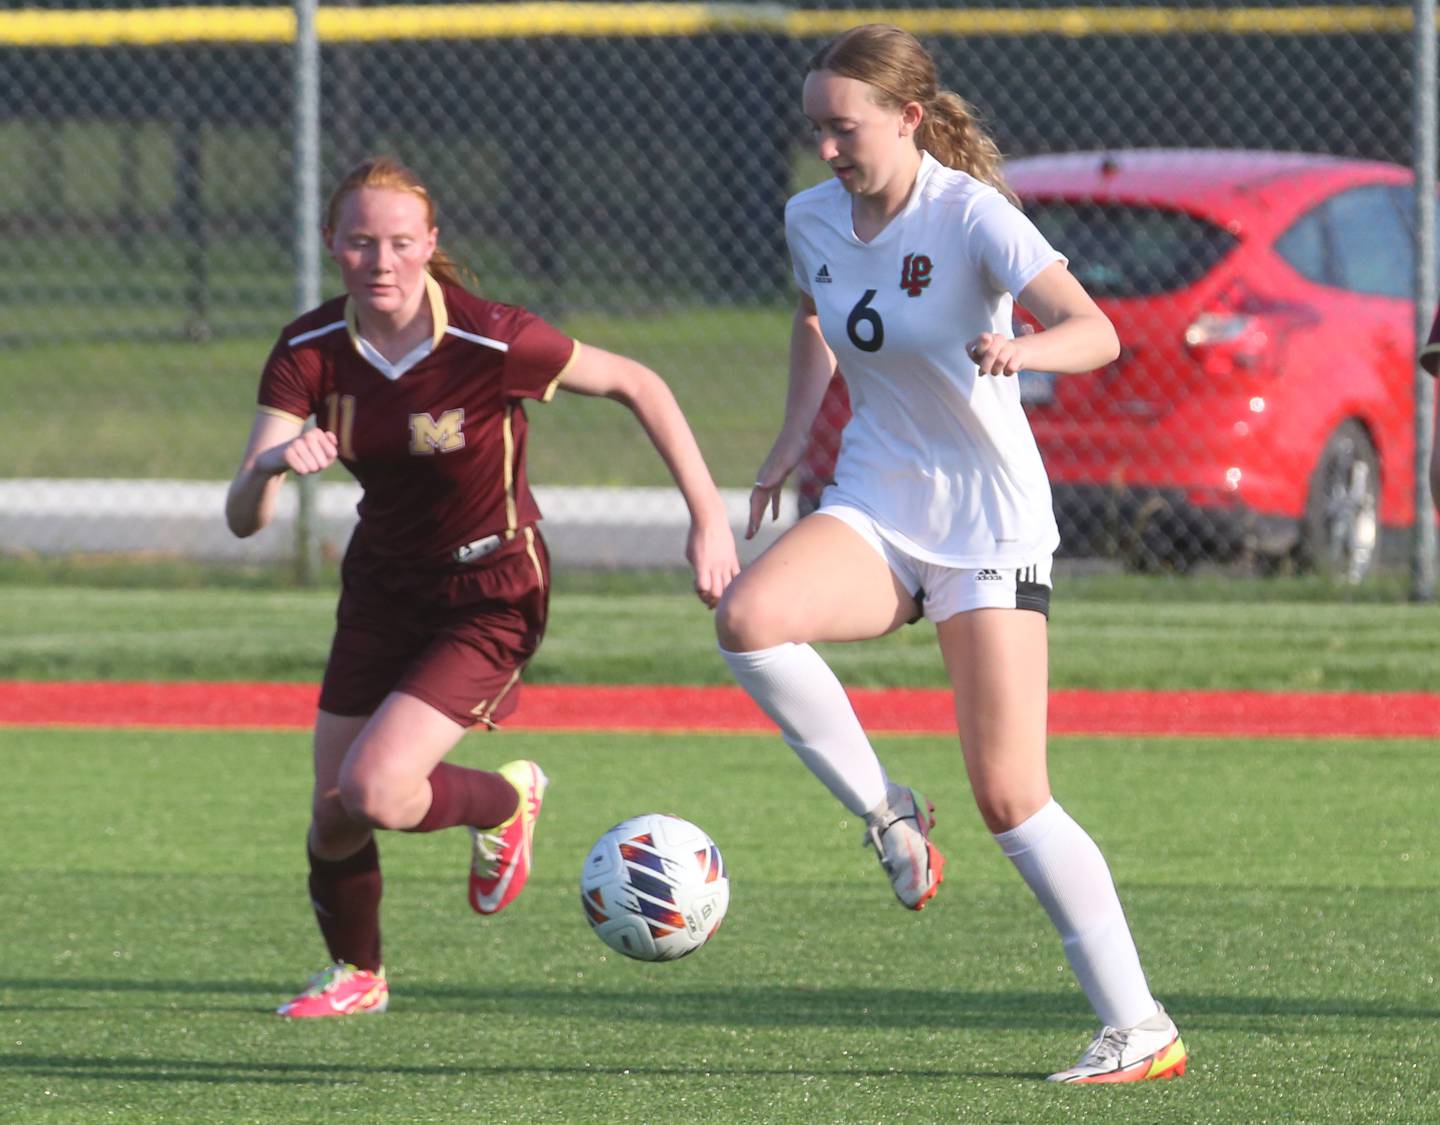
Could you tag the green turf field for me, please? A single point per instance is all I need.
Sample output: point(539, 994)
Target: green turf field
point(1282, 895)
point(152, 904)
point(1118, 632)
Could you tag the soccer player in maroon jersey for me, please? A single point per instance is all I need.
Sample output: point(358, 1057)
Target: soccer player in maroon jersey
point(419, 388)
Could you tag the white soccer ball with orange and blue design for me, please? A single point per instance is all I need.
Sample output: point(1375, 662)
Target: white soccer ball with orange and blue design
point(654, 887)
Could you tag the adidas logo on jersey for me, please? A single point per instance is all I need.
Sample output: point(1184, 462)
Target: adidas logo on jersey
point(823, 275)
point(988, 576)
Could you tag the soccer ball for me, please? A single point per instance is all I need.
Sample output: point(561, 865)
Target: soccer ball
point(654, 887)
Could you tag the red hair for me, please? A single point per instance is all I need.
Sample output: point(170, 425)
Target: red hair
point(387, 173)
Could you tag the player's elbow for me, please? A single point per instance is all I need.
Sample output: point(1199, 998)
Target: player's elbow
point(241, 530)
point(244, 517)
point(642, 390)
point(242, 525)
point(1107, 341)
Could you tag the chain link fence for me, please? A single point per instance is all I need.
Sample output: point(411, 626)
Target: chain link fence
point(622, 170)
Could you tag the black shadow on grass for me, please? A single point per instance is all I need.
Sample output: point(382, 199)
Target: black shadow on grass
point(215, 1072)
point(330, 1073)
point(1193, 1007)
point(739, 1007)
point(759, 1007)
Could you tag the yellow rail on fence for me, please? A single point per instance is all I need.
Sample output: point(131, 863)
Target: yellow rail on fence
point(162, 26)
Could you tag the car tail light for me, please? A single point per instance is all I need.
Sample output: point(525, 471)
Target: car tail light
point(1247, 332)
point(1224, 341)
point(1217, 328)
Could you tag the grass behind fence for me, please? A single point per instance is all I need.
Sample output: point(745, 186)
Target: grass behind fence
point(181, 409)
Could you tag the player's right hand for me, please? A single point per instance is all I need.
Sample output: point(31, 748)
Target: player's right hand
point(312, 452)
point(710, 550)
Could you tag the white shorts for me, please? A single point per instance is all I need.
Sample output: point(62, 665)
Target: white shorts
point(944, 591)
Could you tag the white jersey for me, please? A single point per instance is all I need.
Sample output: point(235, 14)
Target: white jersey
point(943, 460)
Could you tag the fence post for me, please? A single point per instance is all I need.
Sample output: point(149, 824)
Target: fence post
point(188, 125)
point(307, 248)
point(1422, 568)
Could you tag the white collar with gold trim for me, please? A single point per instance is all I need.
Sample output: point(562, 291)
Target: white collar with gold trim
point(439, 322)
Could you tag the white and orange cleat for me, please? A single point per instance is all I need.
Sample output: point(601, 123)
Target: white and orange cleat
point(339, 989)
point(500, 858)
point(899, 831)
point(1152, 1049)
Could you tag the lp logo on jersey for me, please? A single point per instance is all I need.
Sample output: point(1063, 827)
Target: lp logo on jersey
point(915, 273)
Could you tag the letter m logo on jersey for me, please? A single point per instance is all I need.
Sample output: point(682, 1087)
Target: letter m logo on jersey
point(427, 436)
point(915, 274)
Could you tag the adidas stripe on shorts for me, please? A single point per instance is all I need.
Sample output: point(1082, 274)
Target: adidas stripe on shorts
point(944, 591)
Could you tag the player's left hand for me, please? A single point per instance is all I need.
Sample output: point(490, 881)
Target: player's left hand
point(710, 550)
point(763, 496)
point(995, 353)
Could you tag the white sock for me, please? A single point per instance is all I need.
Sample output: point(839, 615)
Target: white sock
point(797, 689)
point(1067, 873)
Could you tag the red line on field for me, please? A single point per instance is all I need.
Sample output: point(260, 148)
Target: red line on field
point(271, 706)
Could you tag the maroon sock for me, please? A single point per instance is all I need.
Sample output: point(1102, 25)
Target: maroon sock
point(346, 896)
point(458, 795)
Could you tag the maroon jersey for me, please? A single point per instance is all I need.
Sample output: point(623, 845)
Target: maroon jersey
point(439, 450)
point(1430, 353)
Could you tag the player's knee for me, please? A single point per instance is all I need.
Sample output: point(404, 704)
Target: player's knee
point(1006, 805)
point(729, 622)
point(331, 826)
point(373, 803)
point(748, 619)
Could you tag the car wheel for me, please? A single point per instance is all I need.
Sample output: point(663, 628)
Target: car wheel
point(1340, 531)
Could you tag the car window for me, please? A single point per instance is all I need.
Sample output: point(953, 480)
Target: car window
point(1403, 196)
point(1373, 250)
point(1303, 247)
point(1121, 251)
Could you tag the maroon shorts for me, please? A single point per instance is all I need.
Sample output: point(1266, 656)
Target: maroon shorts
point(457, 638)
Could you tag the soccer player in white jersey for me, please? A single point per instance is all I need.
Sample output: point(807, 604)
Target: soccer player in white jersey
point(1430, 361)
point(908, 262)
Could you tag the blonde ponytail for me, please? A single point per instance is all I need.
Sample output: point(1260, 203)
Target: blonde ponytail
point(892, 62)
point(951, 134)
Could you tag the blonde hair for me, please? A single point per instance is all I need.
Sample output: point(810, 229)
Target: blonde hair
point(389, 174)
point(892, 62)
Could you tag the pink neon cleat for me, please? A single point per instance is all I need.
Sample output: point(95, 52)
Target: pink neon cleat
point(339, 989)
point(500, 860)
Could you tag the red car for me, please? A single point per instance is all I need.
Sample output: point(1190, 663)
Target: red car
point(1262, 403)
